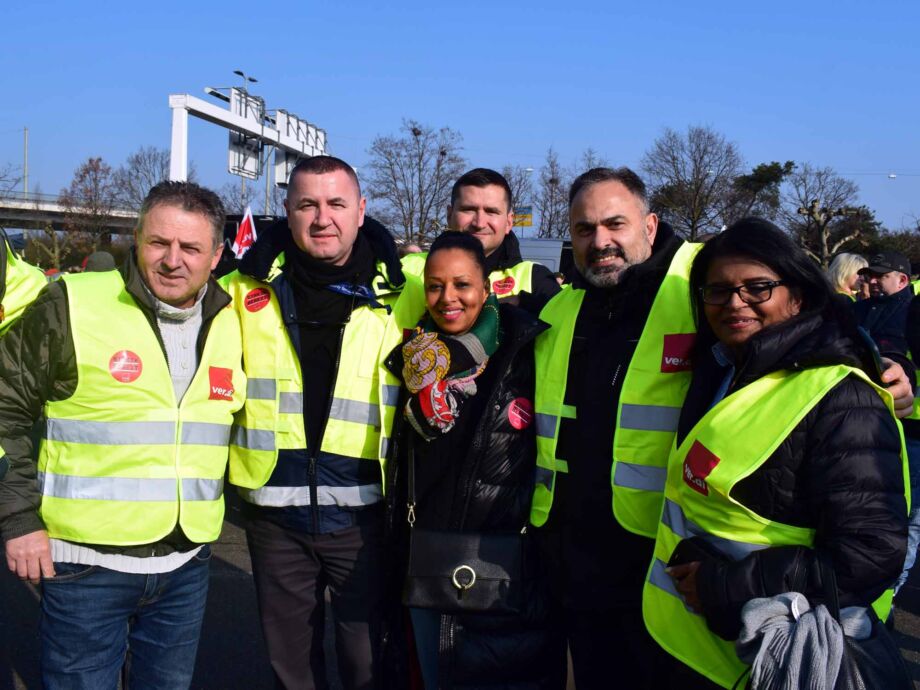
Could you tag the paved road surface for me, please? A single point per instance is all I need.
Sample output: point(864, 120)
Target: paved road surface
point(232, 654)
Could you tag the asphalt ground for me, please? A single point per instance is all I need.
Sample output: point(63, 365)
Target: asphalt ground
point(232, 653)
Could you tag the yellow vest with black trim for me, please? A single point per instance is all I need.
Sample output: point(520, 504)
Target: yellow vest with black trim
point(733, 440)
point(506, 282)
point(23, 283)
point(653, 392)
point(272, 418)
point(121, 461)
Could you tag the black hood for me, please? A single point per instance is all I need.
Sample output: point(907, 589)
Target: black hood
point(507, 255)
point(257, 262)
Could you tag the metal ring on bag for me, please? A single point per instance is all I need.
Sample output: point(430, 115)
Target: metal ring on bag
point(463, 586)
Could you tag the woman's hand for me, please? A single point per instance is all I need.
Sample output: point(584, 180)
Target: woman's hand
point(684, 577)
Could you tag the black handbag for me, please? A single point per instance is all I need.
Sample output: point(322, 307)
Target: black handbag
point(462, 572)
point(874, 662)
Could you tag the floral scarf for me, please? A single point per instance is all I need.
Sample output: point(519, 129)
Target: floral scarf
point(440, 370)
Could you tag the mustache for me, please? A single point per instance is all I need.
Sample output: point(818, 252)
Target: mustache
point(598, 254)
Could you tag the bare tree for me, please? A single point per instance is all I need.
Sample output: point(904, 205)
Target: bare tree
point(9, 178)
point(819, 208)
point(691, 178)
point(552, 197)
point(142, 170)
point(89, 202)
point(411, 175)
point(236, 197)
point(590, 159)
point(520, 179)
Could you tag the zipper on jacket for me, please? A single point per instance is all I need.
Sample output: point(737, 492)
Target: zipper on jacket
point(314, 500)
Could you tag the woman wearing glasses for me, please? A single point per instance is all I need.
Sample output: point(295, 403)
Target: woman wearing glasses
point(787, 448)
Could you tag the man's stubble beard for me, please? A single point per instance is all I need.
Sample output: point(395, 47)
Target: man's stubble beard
point(609, 276)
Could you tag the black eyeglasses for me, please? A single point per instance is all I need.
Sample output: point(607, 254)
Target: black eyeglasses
point(750, 293)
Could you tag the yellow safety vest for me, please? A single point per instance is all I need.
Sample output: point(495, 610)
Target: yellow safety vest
point(121, 461)
point(653, 391)
point(23, 283)
point(272, 418)
point(506, 282)
point(730, 443)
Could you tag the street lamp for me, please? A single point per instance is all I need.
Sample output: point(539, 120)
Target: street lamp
point(246, 79)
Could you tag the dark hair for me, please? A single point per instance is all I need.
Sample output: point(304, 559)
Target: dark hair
point(481, 177)
point(623, 175)
point(321, 165)
point(761, 241)
point(454, 239)
point(189, 197)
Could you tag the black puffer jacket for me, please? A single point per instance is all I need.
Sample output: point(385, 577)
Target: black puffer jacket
point(839, 471)
point(481, 481)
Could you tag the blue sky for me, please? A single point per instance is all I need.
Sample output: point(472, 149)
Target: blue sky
point(834, 84)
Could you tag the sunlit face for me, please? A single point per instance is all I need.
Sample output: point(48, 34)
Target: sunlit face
point(484, 213)
point(611, 231)
point(735, 322)
point(324, 213)
point(176, 253)
point(885, 283)
point(455, 290)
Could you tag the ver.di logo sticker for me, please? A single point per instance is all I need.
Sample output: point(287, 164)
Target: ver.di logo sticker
point(520, 413)
point(125, 366)
point(503, 286)
point(257, 299)
point(221, 380)
point(698, 465)
point(677, 351)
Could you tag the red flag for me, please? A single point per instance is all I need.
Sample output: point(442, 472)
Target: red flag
point(245, 235)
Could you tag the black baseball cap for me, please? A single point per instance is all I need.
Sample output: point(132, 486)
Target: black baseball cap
point(885, 262)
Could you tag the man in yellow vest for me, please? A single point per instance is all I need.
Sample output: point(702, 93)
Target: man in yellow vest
point(612, 373)
point(20, 283)
point(138, 373)
point(481, 204)
point(314, 297)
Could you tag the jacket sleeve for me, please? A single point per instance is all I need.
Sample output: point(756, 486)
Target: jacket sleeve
point(37, 364)
point(852, 483)
point(913, 328)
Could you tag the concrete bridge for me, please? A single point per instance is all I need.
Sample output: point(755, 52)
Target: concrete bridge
point(37, 211)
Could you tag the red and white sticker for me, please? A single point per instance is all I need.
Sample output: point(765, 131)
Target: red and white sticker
point(221, 380)
point(125, 366)
point(677, 352)
point(257, 299)
point(520, 413)
point(698, 465)
point(503, 286)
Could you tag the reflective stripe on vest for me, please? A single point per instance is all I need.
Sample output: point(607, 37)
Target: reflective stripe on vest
point(23, 282)
point(346, 496)
point(653, 391)
point(731, 442)
point(272, 419)
point(122, 462)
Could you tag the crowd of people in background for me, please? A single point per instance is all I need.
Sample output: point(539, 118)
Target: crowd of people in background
point(643, 469)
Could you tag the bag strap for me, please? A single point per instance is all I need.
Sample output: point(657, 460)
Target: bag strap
point(410, 502)
point(828, 584)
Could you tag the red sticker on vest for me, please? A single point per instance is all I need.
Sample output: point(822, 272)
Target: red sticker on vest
point(503, 286)
point(520, 413)
point(125, 366)
point(221, 380)
point(698, 464)
point(677, 351)
point(256, 299)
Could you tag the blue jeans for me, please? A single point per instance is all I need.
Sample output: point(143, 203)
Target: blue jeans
point(95, 621)
point(913, 527)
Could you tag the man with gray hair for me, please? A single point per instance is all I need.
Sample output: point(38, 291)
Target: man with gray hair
point(138, 374)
